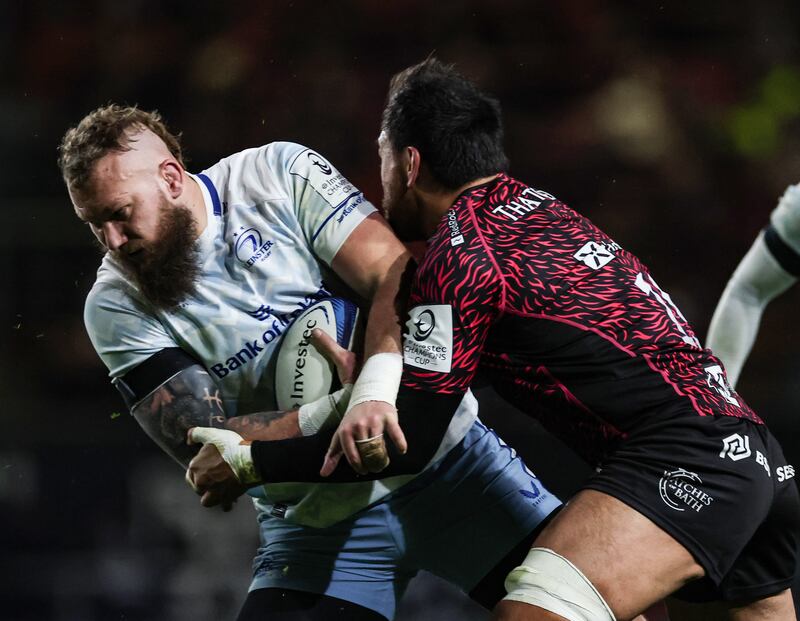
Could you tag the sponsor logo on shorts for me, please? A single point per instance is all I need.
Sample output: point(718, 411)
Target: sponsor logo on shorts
point(762, 459)
point(595, 255)
point(680, 490)
point(784, 473)
point(533, 494)
point(736, 447)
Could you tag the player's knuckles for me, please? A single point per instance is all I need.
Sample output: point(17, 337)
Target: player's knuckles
point(363, 424)
point(376, 420)
point(352, 430)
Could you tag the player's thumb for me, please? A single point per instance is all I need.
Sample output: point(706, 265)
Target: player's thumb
point(325, 344)
point(341, 358)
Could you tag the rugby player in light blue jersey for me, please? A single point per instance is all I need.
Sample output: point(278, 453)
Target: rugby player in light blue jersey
point(201, 276)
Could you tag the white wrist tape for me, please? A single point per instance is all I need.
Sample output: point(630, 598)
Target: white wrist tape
point(548, 580)
point(379, 380)
point(324, 412)
point(234, 449)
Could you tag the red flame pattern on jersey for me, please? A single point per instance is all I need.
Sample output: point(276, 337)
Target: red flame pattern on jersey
point(557, 313)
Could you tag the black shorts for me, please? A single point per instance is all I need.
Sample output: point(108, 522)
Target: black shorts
point(722, 488)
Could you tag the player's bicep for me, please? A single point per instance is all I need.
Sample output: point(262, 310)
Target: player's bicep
point(369, 255)
point(169, 393)
point(767, 270)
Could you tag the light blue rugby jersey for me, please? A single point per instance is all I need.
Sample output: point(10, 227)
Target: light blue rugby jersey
point(274, 214)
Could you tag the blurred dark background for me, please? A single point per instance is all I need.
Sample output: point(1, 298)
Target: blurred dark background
point(674, 126)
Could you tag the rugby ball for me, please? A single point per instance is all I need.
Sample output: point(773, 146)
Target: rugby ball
point(302, 374)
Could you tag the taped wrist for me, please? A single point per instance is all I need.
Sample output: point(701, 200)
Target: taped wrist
point(235, 450)
point(325, 412)
point(379, 380)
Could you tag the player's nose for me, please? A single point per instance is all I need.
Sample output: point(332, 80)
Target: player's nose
point(113, 235)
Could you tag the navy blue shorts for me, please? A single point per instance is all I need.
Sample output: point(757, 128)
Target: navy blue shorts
point(722, 488)
point(457, 520)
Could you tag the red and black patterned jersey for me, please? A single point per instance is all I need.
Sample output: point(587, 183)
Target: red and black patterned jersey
point(565, 323)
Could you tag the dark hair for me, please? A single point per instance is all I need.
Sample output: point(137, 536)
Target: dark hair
point(103, 130)
point(456, 127)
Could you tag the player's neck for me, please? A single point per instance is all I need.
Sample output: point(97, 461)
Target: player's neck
point(196, 204)
point(437, 202)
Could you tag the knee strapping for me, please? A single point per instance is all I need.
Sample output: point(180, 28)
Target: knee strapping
point(549, 581)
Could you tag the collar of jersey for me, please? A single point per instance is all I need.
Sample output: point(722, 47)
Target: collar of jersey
point(206, 239)
point(474, 188)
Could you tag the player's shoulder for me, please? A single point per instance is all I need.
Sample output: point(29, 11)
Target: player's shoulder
point(508, 200)
point(112, 290)
point(278, 154)
point(264, 171)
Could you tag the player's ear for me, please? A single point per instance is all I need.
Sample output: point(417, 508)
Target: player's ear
point(172, 174)
point(412, 165)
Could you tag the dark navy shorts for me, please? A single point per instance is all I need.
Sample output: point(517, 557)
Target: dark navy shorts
point(722, 488)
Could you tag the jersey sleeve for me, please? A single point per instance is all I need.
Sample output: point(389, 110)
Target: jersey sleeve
point(758, 279)
point(455, 298)
point(327, 206)
point(785, 221)
point(122, 332)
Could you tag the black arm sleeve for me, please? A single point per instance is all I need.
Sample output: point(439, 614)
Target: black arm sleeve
point(783, 253)
point(423, 416)
point(140, 381)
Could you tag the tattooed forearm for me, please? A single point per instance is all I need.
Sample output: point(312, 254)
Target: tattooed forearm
point(266, 425)
point(190, 399)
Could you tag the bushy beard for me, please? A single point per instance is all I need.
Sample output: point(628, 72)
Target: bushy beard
point(167, 270)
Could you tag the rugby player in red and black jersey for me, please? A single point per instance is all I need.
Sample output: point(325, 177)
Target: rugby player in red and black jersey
point(692, 495)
